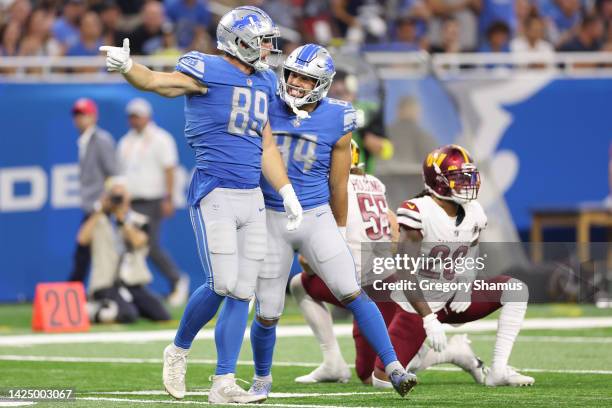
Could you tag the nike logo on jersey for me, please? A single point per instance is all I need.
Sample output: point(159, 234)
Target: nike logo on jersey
point(261, 209)
point(320, 214)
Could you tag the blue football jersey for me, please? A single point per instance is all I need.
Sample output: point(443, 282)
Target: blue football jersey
point(224, 126)
point(306, 147)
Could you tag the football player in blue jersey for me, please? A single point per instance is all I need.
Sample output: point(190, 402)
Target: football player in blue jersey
point(226, 123)
point(313, 133)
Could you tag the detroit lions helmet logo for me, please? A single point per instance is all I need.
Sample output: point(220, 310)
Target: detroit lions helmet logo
point(249, 19)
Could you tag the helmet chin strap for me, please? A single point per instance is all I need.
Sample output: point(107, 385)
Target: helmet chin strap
point(301, 114)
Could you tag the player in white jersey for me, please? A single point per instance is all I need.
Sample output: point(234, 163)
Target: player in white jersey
point(444, 225)
point(370, 229)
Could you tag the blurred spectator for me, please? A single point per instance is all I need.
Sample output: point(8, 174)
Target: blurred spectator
point(523, 9)
point(359, 21)
point(370, 134)
point(38, 40)
point(148, 157)
point(97, 162)
point(589, 37)
point(191, 19)
point(118, 240)
point(66, 28)
point(147, 38)
point(563, 21)
point(90, 38)
point(169, 47)
point(460, 10)
point(533, 38)
point(131, 7)
point(282, 12)
point(451, 37)
point(19, 11)
point(498, 38)
point(418, 10)
point(491, 12)
point(315, 21)
point(406, 38)
point(110, 15)
point(402, 173)
point(10, 39)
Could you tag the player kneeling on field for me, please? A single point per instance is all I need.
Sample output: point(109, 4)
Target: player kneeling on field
point(445, 221)
point(118, 239)
point(370, 229)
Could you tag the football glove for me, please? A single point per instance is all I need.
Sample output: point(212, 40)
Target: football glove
point(435, 332)
point(292, 205)
point(118, 58)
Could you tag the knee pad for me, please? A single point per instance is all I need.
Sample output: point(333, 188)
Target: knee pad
point(327, 246)
point(517, 291)
point(222, 244)
point(255, 242)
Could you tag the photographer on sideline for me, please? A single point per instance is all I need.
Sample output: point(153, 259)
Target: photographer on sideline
point(118, 238)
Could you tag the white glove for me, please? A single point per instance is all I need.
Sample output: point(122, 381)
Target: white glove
point(292, 205)
point(118, 58)
point(435, 332)
point(461, 302)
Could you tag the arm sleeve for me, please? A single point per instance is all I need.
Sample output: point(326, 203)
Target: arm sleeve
point(192, 64)
point(408, 215)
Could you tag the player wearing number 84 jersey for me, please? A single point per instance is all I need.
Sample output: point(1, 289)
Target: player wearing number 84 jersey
point(313, 134)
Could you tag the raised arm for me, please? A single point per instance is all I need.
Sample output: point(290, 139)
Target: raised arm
point(169, 84)
point(338, 179)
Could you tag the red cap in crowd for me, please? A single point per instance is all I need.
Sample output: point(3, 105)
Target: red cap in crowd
point(85, 106)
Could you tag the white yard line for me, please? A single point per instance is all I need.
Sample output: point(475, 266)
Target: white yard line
point(341, 330)
point(61, 359)
point(549, 339)
point(272, 395)
point(200, 403)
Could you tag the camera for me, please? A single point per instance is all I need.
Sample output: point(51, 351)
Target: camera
point(116, 199)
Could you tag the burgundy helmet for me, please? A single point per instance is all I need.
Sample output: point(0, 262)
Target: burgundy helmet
point(449, 173)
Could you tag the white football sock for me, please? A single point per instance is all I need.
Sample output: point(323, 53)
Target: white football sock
point(265, 378)
point(320, 321)
point(509, 324)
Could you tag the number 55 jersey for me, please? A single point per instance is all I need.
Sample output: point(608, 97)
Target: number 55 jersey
point(368, 231)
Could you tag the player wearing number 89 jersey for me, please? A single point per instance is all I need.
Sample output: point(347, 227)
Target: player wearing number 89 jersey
point(226, 123)
point(313, 134)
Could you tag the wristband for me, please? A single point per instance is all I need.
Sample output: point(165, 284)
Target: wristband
point(286, 190)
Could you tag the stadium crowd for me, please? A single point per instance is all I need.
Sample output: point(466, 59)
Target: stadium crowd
point(169, 27)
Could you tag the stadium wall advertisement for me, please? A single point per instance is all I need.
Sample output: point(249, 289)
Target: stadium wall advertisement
point(519, 129)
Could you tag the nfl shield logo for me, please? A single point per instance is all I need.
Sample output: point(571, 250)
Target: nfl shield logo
point(296, 122)
point(249, 82)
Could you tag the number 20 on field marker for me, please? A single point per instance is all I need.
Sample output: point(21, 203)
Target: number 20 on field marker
point(60, 307)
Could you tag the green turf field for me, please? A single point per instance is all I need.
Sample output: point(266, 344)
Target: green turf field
point(572, 368)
